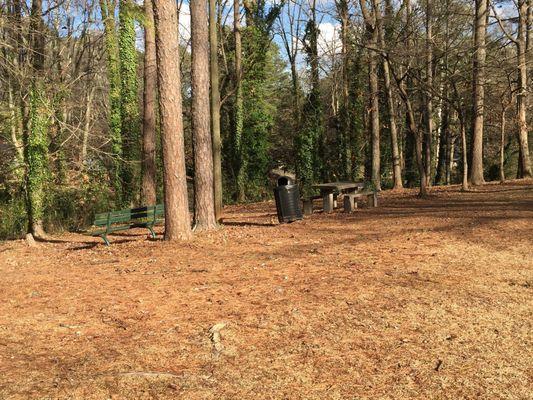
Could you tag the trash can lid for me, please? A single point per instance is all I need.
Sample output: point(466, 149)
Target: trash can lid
point(284, 181)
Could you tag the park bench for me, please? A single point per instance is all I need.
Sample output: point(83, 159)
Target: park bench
point(121, 220)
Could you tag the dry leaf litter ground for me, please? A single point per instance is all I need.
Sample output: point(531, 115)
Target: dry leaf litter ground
point(419, 298)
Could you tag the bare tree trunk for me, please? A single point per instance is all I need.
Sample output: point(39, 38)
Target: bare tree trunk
point(450, 147)
point(15, 127)
point(345, 148)
point(215, 110)
point(177, 220)
point(476, 172)
point(428, 136)
point(502, 144)
point(464, 150)
point(238, 106)
point(396, 166)
point(372, 42)
point(148, 167)
point(444, 133)
point(415, 134)
point(87, 126)
point(521, 98)
point(203, 151)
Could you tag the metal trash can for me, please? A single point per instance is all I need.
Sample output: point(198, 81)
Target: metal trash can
point(287, 198)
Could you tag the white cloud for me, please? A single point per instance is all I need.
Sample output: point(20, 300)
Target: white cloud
point(185, 22)
point(329, 41)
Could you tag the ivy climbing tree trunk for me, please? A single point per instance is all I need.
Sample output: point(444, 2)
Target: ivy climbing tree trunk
point(177, 220)
point(309, 149)
point(204, 207)
point(149, 170)
point(215, 109)
point(107, 8)
point(129, 104)
point(35, 136)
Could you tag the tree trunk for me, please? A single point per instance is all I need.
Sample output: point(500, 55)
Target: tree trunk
point(476, 172)
point(148, 168)
point(440, 175)
point(314, 101)
point(113, 76)
point(521, 98)
point(204, 206)
point(502, 145)
point(428, 136)
point(86, 126)
point(238, 106)
point(450, 147)
point(215, 110)
point(464, 150)
point(396, 166)
point(129, 103)
point(373, 83)
point(345, 115)
point(418, 148)
point(177, 220)
point(35, 136)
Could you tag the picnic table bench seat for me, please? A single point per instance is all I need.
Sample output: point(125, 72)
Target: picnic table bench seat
point(350, 203)
point(121, 220)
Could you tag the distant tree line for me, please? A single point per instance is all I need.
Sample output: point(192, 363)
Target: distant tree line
point(105, 104)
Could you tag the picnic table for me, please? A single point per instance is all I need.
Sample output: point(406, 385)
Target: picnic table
point(329, 189)
point(351, 191)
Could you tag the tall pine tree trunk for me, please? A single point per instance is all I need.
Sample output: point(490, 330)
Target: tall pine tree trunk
point(480, 32)
point(203, 151)
point(215, 110)
point(522, 95)
point(148, 167)
point(177, 220)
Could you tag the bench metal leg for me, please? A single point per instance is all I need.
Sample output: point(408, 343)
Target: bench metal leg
point(104, 237)
point(152, 233)
point(328, 202)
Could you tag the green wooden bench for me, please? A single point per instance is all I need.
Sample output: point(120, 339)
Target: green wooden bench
point(121, 220)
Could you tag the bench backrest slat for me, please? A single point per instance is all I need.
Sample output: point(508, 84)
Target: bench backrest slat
point(148, 213)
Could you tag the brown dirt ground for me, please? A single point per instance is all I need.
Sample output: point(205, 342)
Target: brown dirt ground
point(415, 299)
